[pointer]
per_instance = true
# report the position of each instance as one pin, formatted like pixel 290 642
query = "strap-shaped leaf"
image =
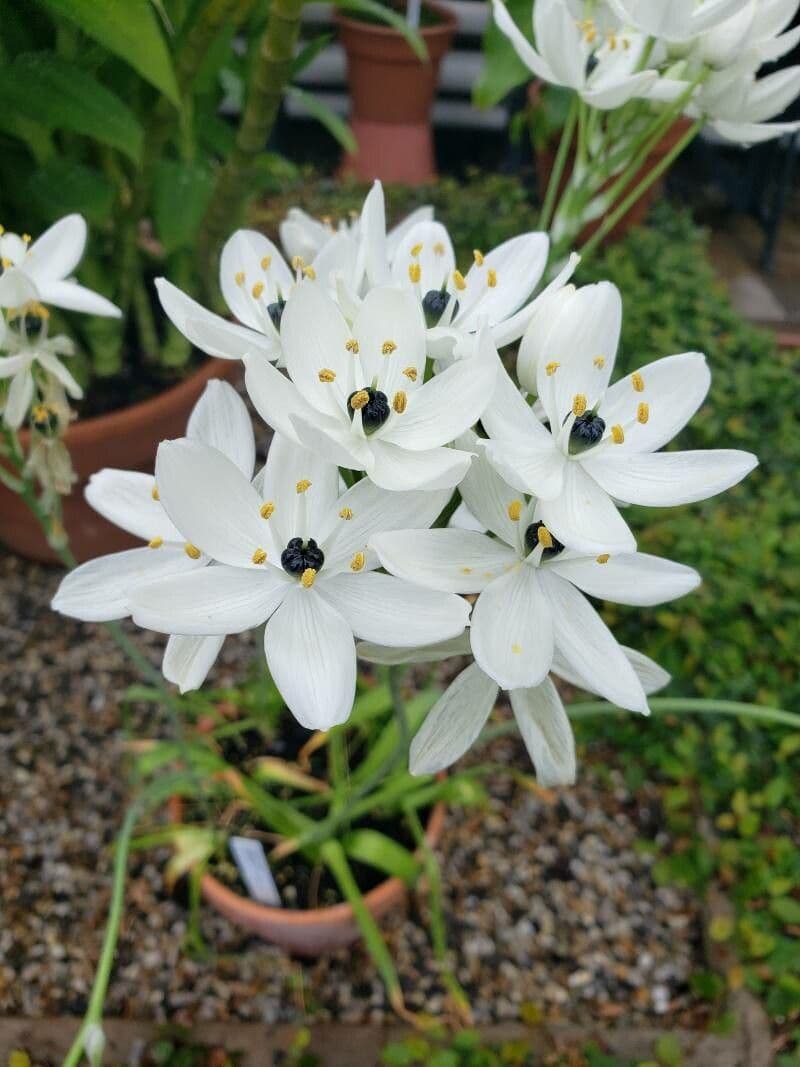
pixel 182 192
pixel 336 127
pixel 378 12
pixel 377 850
pixel 129 29
pixel 62 186
pixel 63 96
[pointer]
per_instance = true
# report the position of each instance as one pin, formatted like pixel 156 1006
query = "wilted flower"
pixel 28 347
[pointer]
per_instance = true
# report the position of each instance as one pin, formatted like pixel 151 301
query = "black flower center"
pixel 533 539
pixel 586 431
pixel 373 405
pixel 434 304
pixel 592 64
pixel 300 555
pixel 275 312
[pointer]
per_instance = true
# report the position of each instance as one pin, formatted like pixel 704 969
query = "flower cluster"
pixel 414 498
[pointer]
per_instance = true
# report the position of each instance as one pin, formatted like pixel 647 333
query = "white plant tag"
pixel 249 857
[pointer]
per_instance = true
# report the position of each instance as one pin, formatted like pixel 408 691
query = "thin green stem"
pixel 560 163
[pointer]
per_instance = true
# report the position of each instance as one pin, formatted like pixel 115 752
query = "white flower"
pixel 356 392
pixel 529 606
pixel 739 105
pixel 26 348
pixel 600 445
pixel 296 553
pixel 456 720
pixel 604 69
pixel 675 20
pixel 41 271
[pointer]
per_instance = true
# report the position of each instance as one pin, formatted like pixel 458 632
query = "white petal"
pixel 585 642
pixel 389 611
pixel 533 349
pixel 16 288
pixel 547 733
pixel 749 133
pixel 298 514
pixel 486 494
pixel 314 334
pixel 333 442
pixel 10 365
pixel 458 561
pixel 584 517
pixel 55 367
pixel 662 479
pixel 18 401
pixel 434 256
pixel 212 600
pixel 394 314
pixel 212 503
pixel 454 722
pixel 241 258
pixel 535 63
pixel 74 297
pixel 609 94
pixel 454 646
pixel 98 591
pixel 209 332
pixel 220 419
pixel 398 468
pixel 532 465
pixel 187 660
pixel 512 630
pixel 514 327
pixel 312 658
pixel 58 251
pixel 518 265
pixel 126 499
pixel 397 234
pixel 372 231
pixel 275 397
pixel 634 578
pixel 561 41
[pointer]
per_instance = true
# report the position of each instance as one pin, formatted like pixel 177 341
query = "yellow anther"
pixel 267 510
pixel 265 262
pixel 2 230
pixel 298 263
pixel 604 558
pixel 5 262
pixel 352 346
pixel 388 347
pixel 478 257
pixel 551 368
pixel 359 400
pixel 599 362
pixel 259 556
pixel 399 401
pixel 416 249
pixel 157 542
pixel 643 413
pixel 491 278
pixel 411 373
pixel 516 649
pixel 358 562
pixel 544 537
pixel 154 493
pixel 637 381
pixel 414 272
pixel 346 514
pixel 466 570
pixel 239 277
pixel 579 404
pixel 26 237
pixel 459 280
pixel 326 220
pixel 612 40
pixel 438 249
pixel 257 289
pixel 307 577
pixel 192 551
pixel 303 485
pixel 327 375
pixel 617 434
pixel 310 273
pixel 514 510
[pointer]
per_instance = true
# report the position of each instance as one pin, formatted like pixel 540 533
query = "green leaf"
pixel 130 30
pixel 378 850
pixel 378 12
pixel 62 96
pixel 502 70
pixel 335 126
pixel 308 53
pixel 787 909
pixel 62 186
pixel 181 195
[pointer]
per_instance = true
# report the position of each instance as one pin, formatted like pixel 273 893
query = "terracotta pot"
pixel 315 931
pixel 127 439
pixel 392 93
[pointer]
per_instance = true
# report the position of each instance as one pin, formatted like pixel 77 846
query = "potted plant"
pixel 392 75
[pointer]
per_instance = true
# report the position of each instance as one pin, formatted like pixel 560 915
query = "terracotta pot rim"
pixel 444 28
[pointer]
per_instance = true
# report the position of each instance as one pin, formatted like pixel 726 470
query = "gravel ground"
pixel 550 903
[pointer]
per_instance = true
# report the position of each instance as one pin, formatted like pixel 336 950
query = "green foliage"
pixel 469 1049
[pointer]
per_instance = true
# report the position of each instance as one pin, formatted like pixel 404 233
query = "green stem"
pixel 560 163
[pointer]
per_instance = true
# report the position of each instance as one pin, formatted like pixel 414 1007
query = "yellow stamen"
pixel 257 289
pixel 265 262
pixel 346 514
pixel 192 551
pixel 157 542
pixel 388 347
pixel 298 263
pixel 491 278
pixel 2 230
pixel 399 401
pixel 514 510
pixel 239 277
pixel 478 256
pixel 414 272
pixel 307 577
pixel 544 537
pixel 438 248
pixel 26 237
pixel 411 373
pixel 310 273
pixel 267 510
pixel 458 280
pixel 617 434
pixel 5 262
pixel 516 649
pixel 604 558
pixel 551 368
pixel 466 570
pixel 358 562
pixel 416 249
pixel 643 413
pixel 327 375
pixel 352 346
pixel 599 362
pixel 302 485
pixel 259 556
pixel 579 405
pixel 359 400
pixel 637 381
pixel 154 493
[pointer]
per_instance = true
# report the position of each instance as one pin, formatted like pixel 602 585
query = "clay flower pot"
pixel 127 439
pixel 315 931
pixel 392 93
